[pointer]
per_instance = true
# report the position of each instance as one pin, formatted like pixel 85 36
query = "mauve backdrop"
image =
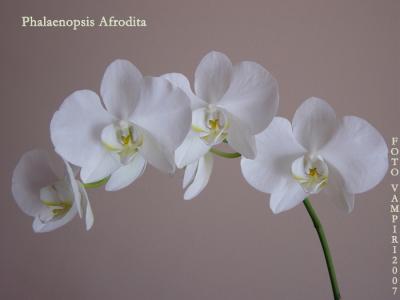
pixel 147 242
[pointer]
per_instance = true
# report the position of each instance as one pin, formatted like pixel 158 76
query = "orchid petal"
pixel 76 127
pixel 336 191
pixel 32 173
pixel 152 151
pixel 199 120
pixel 99 166
pixel 192 148
pixel 360 154
pixel 76 193
pixel 182 82
pixel 190 172
pixel 125 175
pixel 164 112
pixel 252 96
pixel 89 217
pixel 276 150
pixel 212 77
pixel 40 227
pixel 201 178
pixel 110 139
pixel 314 124
pixel 240 138
pixel 286 197
pixel 120 88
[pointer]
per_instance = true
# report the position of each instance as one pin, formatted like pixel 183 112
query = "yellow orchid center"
pixel 213 129
pixel 57 199
pixel 125 140
pixel 122 138
pixel 213 124
pixel 311 172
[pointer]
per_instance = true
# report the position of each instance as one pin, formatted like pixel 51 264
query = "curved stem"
pixel 325 248
pixel 225 154
pixel 96 184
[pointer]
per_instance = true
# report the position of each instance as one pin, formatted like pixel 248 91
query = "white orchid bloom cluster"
pixel 139 120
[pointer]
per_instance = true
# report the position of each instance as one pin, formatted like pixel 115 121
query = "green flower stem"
pixel 325 248
pixel 96 184
pixel 225 154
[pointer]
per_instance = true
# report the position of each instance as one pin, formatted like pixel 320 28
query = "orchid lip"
pixel 57 199
pixel 122 138
pixel 215 124
pixel 311 172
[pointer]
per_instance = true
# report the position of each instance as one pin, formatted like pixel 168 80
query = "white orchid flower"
pixel 316 153
pixel 231 103
pixel 145 120
pixel 53 197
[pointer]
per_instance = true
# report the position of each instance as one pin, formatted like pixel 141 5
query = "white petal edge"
pixel 76 192
pixel 76 127
pixel 183 83
pixel 190 172
pixel 89 217
pixel 276 150
pixel 314 123
pixel 201 178
pixel 192 148
pixel 99 166
pixel 40 227
pixel 33 172
pixel 252 96
pixel 286 197
pixel 109 138
pixel 120 88
pixel 157 156
pixel 336 191
pixel 163 111
pixel 360 154
pixel 199 119
pixel 212 77
pixel 241 139
pixel 125 175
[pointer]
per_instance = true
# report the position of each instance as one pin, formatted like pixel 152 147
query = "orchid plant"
pixel 161 121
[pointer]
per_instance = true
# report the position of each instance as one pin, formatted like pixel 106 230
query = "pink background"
pixel 147 242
